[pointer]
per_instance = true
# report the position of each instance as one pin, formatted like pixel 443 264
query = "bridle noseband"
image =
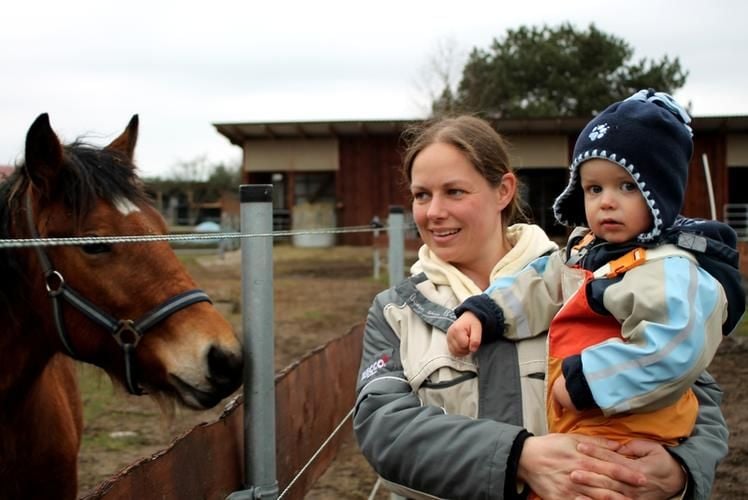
pixel 126 332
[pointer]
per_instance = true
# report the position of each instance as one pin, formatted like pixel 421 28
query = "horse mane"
pixel 93 173
pixel 88 173
pixel 11 274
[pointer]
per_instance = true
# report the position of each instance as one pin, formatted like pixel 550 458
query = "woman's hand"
pixel 665 476
pixel 548 464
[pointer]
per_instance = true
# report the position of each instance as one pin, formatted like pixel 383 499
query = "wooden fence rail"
pixel 312 396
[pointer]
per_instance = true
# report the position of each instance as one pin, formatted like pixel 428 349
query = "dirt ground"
pixel 319 295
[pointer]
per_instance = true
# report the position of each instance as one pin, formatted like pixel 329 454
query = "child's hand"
pixel 561 395
pixel 464 336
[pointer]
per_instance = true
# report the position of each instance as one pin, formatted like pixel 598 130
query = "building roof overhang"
pixel 240 132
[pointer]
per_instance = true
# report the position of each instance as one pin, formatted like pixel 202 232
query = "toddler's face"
pixel 616 210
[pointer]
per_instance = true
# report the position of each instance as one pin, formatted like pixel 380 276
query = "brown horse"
pixel 129 308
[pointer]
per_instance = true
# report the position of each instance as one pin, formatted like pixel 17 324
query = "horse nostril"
pixel 225 367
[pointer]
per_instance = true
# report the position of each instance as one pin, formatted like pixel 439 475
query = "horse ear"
pixel 43 154
pixel 125 143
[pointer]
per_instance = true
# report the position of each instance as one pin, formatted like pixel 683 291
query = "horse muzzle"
pixel 224 376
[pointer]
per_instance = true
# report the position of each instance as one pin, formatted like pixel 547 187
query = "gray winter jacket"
pixel 438 427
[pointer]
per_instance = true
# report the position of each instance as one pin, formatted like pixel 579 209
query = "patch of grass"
pixel 383 279
pixel 96 389
pixel 313 314
pixel 742 328
pixel 189 257
pixel 105 441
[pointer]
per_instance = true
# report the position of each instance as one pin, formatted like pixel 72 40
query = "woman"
pixel 433 425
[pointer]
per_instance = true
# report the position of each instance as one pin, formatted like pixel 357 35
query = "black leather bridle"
pixel 126 332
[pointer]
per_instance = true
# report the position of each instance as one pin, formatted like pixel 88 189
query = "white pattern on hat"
pixel 667 101
pixel 635 176
pixel 599 131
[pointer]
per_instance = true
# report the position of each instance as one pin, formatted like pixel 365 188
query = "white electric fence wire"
pixel 375 489
pixel 316 453
pixel 88 240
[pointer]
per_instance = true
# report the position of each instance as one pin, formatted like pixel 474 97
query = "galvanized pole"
pixel 396 252
pixel 396 260
pixel 257 325
pixel 376 223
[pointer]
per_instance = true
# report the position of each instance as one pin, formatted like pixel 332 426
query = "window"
pixel 314 187
pixel 540 188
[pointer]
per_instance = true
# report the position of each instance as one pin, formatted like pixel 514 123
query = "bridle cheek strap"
pixel 127 333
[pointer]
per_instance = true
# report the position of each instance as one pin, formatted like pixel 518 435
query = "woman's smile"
pixel 444 233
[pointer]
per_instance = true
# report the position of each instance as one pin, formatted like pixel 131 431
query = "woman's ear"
pixel 506 190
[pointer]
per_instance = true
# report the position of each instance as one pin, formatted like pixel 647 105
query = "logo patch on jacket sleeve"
pixel 374 368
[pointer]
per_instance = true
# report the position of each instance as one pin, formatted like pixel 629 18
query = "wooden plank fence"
pixel 313 395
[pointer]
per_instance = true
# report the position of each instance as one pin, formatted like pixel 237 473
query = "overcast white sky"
pixel 184 65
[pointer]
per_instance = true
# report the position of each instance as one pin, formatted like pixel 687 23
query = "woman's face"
pixel 458 213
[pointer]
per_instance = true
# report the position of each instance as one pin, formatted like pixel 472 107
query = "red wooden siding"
pixel 368 182
pixel 697 194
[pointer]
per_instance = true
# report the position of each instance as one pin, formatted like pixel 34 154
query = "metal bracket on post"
pixel 257 326
pixel 255 493
pixel 396 253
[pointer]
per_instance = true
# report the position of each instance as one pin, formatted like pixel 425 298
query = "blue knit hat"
pixel 648 135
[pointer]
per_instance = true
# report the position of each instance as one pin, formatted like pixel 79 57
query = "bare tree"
pixel 197 169
pixel 438 78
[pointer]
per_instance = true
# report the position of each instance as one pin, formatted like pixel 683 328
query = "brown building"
pixel 353 167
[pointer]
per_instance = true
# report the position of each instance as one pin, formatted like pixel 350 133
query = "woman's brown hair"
pixel 480 143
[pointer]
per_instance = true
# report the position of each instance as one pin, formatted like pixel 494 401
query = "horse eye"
pixel 96 248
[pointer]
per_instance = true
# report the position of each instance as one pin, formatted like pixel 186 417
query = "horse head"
pixel 129 308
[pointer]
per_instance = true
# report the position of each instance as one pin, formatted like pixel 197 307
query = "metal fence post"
pixel 260 477
pixel 396 259
pixel 376 224
pixel 396 252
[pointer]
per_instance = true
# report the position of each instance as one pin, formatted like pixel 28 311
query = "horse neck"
pixel 27 341
pixel 24 363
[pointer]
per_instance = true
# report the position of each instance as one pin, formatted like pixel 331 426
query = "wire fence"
pixel 315 454
pixel 89 240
